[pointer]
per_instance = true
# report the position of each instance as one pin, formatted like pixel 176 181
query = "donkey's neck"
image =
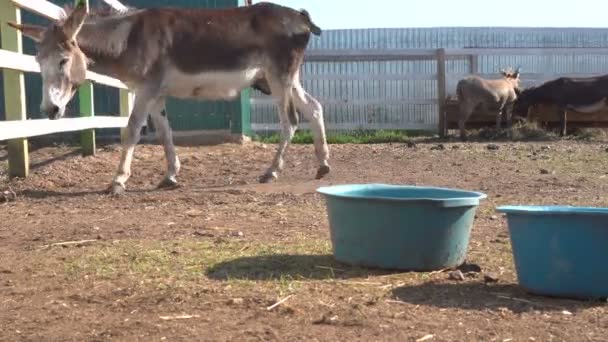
pixel 104 40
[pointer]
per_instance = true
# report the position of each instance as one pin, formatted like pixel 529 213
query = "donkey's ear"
pixel 74 22
pixel 34 32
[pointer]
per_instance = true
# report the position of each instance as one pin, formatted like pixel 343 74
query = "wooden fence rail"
pixel 14 63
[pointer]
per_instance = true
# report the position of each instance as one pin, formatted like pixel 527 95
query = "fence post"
pixel 87 109
pixel 474 63
pixel 441 92
pixel 14 90
pixel 241 119
pixel 126 106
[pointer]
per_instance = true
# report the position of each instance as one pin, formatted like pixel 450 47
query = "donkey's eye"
pixel 63 62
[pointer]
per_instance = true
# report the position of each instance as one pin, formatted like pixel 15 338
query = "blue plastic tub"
pixel 400 227
pixel 560 251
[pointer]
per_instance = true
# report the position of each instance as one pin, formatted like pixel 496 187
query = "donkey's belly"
pixel 211 85
pixel 590 108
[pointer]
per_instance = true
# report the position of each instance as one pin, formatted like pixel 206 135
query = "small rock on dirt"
pixel 455 147
pixel 203 233
pixel 411 144
pixel 194 213
pixel 471 274
pixel 490 278
pixel 237 234
pixel 8 195
pixel 546 172
pixel 456 275
pixel 493 217
pixel 493 147
pixel 439 147
pixel 237 301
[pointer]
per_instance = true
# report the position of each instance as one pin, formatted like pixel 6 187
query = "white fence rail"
pixel 17 128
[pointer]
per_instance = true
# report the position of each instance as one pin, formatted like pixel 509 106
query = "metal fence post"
pixel 441 92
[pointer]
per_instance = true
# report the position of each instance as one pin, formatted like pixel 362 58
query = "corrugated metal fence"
pixel 402 94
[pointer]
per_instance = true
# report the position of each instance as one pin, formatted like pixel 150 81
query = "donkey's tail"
pixel 316 30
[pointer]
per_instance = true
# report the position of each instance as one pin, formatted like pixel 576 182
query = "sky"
pixel 343 14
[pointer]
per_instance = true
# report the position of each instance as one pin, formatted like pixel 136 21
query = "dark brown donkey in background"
pixel 186 53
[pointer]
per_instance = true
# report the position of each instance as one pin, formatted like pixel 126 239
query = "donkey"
pixel 186 53
pixel 580 94
pixel 496 95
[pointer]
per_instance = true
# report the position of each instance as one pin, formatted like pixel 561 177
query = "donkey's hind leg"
pixel 165 137
pixel 465 109
pixel 282 91
pixel 313 111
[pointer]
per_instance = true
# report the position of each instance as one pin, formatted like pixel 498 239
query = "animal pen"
pixel 17 128
pixel 414 89
pixel 365 79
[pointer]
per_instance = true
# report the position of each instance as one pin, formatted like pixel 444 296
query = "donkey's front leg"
pixel 136 121
pixel 165 137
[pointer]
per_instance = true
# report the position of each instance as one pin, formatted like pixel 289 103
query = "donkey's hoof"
pixel 268 177
pixel 322 171
pixel 168 183
pixel 116 189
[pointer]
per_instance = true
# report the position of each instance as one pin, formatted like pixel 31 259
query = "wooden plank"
pixel 414 76
pixel 524 76
pixel 31 128
pixel 117 5
pixel 262 127
pixel 87 108
pixel 14 91
pixel 16 61
pixel 127 100
pixel 240 122
pixel 441 91
pixel 266 100
pixel 41 7
pixel 474 64
pixel 526 51
pixel 351 55
pixel 106 80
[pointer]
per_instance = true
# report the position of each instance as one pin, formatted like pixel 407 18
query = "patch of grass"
pixel 590 134
pixel 189 260
pixel 355 137
pixel 520 131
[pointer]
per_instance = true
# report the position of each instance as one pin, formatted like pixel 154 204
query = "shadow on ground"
pixel 285 266
pixel 481 297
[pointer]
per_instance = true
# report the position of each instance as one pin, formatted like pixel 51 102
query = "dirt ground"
pixel 206 261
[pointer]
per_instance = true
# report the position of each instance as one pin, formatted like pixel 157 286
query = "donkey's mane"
pixel 100 12
pixel 112 25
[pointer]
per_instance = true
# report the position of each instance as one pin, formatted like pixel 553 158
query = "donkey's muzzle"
pixel 53 112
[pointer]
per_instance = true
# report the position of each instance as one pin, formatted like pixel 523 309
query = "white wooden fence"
pixel 16 129
pixel 407 88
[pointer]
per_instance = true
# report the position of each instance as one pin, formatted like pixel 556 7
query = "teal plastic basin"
pixel 560 251
pixel 400 227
